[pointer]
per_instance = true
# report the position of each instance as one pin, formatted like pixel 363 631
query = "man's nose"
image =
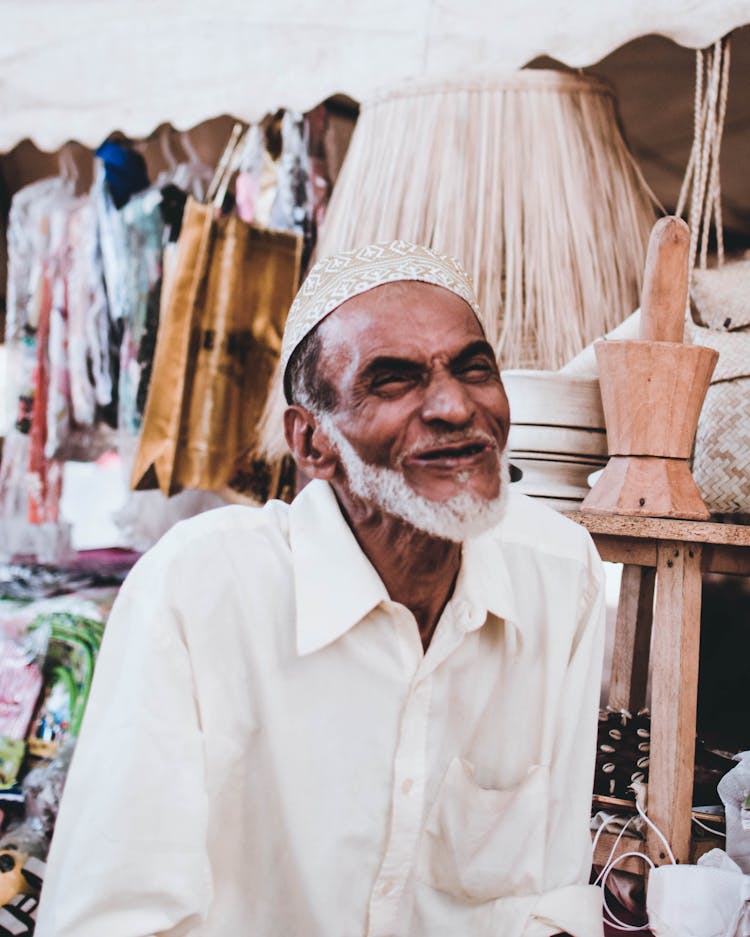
pixel 446 400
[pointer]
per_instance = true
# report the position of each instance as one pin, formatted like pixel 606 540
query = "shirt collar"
pixel 484 582
pixel 335 584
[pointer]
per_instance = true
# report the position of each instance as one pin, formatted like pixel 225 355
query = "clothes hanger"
pixel 67 166
pixel 166 148
pixel 187 145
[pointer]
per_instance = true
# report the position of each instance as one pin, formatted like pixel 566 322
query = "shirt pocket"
pixel 480 844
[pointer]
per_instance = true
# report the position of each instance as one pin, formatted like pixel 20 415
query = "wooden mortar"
pixel 652 393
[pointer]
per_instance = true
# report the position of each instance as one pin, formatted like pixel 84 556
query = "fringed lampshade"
pixel 525 178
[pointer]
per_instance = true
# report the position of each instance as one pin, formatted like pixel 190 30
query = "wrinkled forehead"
pixel 405 320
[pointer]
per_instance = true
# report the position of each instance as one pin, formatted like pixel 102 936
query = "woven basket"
pixel 721 296
pixel 721 460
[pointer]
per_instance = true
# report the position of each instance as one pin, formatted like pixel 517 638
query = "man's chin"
pixel 440 491
pixel 459 519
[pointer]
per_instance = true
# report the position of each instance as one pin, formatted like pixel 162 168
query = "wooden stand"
pixel 666 557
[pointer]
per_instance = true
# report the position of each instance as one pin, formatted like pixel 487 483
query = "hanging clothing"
pixel 144 235
pixel 30 478
pixel 112 239
pixel 85 284
pixel 292 207
pixel 125 171
pixel 253 159
pixel 88 320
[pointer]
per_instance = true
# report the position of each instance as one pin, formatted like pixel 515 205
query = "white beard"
pixel 457 519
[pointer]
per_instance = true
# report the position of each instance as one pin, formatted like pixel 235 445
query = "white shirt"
pixel 268 751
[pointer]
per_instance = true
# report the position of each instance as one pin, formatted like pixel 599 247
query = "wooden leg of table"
pixel 627 688
pixel 674 690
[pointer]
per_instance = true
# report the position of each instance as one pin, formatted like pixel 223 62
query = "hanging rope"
pixel 702 177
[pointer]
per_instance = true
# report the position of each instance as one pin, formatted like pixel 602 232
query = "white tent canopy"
pixel 80 69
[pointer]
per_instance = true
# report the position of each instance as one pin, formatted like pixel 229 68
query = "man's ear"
pixel 308 443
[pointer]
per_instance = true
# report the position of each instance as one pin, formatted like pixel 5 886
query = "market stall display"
pixel 79 382
pixel 51 626
pixel 106 286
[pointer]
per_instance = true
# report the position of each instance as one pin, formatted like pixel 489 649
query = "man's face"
pixel 418 388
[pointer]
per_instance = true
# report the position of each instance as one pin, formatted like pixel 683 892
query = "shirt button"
pixel 387 887
pixel 407 785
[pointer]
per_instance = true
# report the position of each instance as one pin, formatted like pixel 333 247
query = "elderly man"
pixel 372 712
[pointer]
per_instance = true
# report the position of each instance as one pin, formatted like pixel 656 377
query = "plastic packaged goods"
pixel 734 788
pixel 48 649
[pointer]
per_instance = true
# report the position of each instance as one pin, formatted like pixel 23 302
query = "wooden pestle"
pixel 665 281
pixel 652 392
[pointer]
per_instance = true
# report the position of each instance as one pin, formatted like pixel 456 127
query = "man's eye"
pixel 392 383
pixel 476 371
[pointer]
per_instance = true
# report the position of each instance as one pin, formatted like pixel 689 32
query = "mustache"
pixel 456 438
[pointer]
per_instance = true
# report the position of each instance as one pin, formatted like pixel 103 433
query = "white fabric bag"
pixel 704 900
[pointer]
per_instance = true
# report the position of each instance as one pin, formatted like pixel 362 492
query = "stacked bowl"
pixel 557 435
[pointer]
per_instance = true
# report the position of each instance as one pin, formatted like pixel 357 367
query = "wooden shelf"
pixel 658 622
pixel 631 843
pixel 660 528
pixel 627 539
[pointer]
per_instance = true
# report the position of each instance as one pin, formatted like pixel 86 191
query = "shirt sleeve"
pixel 128 856
pixel 570 904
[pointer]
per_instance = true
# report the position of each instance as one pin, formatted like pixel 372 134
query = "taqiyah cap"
pixel 342 276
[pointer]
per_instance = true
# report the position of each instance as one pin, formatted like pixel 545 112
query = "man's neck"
pixel 417 569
